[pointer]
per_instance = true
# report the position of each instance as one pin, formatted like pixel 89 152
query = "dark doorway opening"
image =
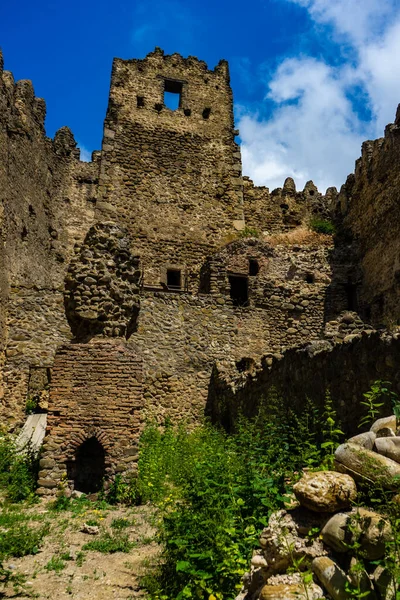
pixel 174 281
pixel 239 290
pixel 89 468
pixel 351 296
pixel 254 267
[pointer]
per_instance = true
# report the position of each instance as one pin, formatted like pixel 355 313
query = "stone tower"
pixel 171 176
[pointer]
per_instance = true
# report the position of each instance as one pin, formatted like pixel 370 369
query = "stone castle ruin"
pixel 156 279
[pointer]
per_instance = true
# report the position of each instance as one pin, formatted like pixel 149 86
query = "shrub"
pixel 322 226
pixel 18 471
pixel 20 540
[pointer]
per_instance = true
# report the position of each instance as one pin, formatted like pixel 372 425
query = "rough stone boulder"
pixel 366 440
pixel 386 423
pixel 331 576
pixel 363 464
pixel 389 446
pixel 367 528
pixel 286 591
pixel 281 543
pixel 325 491
pixel 384 583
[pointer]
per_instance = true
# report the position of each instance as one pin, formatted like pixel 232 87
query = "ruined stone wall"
pixel 181 335
pixel 285 208
pixel 346 366
pixel 47 202
pixel 170 176
pixel 96 392
pixel 369 209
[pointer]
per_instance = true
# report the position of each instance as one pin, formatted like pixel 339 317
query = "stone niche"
pixel 94 417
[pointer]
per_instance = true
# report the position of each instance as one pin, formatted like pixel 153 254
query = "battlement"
pixel 27 111
pixel 172 92
pixel 157 56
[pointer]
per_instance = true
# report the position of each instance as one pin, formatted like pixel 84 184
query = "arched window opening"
pixel 88 470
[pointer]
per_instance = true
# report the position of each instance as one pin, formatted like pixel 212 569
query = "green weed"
pixel 322 226
pixel 55 564
pixel 20 541
pixel 120 523
pixel 108 544
pixel 215 502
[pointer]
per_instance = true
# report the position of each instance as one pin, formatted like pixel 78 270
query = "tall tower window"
pixel 172 94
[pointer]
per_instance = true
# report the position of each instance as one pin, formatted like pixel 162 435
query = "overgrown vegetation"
pixel 216 492
pixel 322 226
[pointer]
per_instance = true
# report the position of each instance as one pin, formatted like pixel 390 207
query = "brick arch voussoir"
pixel 82 436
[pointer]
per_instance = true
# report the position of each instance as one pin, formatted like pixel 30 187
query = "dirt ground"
pixel 63 568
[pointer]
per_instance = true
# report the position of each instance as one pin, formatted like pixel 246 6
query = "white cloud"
pixel 86 155
pixel 359 20
pixel 315 130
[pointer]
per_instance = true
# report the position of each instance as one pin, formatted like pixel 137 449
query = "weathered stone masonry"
pixel 125 280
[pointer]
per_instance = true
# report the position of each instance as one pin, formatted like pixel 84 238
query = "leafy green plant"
pixel 120 523
pixel 18 470
pixel 374 399
pixel 31 404
pixel 330 430
pixel 214 504
pixel 20 540
pixel 322 226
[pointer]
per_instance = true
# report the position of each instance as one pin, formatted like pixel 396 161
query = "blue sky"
pixel 311 78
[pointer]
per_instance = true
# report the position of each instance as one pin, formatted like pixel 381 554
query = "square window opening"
pixel 174 279
pixel 172 94
pixel 140 101
pixel 239 290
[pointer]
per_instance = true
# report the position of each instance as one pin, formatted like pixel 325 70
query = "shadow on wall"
pixel 347 370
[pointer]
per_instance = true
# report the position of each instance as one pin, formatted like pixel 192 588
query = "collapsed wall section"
pixel 284 209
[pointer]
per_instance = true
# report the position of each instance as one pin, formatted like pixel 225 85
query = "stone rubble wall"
pixel 181 335
pixel 46 202
pixel 346 365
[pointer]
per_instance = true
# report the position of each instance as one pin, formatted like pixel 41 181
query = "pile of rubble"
pixel 323 545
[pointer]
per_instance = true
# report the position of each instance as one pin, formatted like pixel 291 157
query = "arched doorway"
pixel 89 467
